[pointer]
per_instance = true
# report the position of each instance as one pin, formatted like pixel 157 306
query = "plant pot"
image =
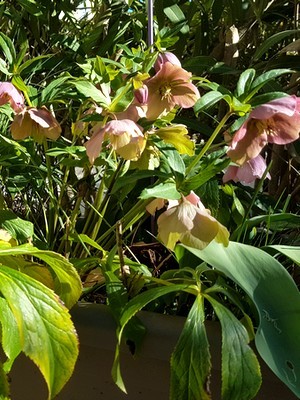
pixel 146 376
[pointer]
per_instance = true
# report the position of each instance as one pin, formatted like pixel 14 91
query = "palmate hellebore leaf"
pixel 277 300
pixel 190 361
pixel 43 329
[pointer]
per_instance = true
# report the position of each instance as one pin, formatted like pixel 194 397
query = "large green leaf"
pixel 190 361
pixel 46 332
pixel 129 311
pixel 277 300
pixel 241 376
pixel 270 41
pixel 67 281
pixel 292 252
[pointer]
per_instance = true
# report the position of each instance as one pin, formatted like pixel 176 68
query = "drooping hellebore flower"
pixel 277 121
pixel 189 222
pixel 248 172
pixel 9 94
pixel 169 87
pixel 166 57
pixel 38 123
pixel 125 136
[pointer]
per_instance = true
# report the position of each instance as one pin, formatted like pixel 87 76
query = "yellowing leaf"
pixel 177 135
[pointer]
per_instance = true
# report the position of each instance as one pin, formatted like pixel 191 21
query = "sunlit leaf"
pixel 191 361
pixel 241 376
pixel 46 332
pixel 276 297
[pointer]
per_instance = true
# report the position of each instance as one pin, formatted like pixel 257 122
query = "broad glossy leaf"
pixel 241 378
pixel 207 101
pixel 292 252
pixel 276 297
pixel 265 78
pixel 67 282
pixel 191 361
pixel 276 221
pixel 245 81
pixel 19 229
pixel 46 332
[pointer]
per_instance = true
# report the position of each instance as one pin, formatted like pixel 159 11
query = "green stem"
pixel 207 145
pixel 52 203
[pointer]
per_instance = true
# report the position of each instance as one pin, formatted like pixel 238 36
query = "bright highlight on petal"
pixel 125 137
pixel 191 224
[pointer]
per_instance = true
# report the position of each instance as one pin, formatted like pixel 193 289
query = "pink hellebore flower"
pixel 277 121
pixel 248 172
pixel 36 122
pixel 166 57
pixel 169 87
pixel 125 136
pixel 9 94
pixel 189 222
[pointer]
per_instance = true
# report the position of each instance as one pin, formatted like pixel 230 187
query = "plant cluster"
pixel 130 148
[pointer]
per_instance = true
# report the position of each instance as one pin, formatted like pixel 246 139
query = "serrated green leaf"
pixel 276 297
pixel 10 340
pixel 191 361
pixel 89 90
pixel 161 191
pixel 241 378
pixel 47 334
pixel 19 229
pixel 67 282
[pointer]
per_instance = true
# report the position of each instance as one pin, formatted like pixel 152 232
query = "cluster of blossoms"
pixel 277 121
pixel 186 220
pixel 158 95
pixel 28 121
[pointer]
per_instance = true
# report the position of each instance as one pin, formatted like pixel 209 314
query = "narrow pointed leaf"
pixel 190 361
pixel 241 378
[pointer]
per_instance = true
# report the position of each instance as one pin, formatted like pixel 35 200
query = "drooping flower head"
pixel 169 87
pixel 125 136
pixel 277 121
pixel 189 222
pixel 166 57
pixel 9 94
pixel 38 123
pixel 248 172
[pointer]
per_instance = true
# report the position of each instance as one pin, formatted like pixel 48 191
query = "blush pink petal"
pixel 248 172
pixel 166 57
pixel 36 122
pixel 277 121
pixel 9 94
pixel 94 145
